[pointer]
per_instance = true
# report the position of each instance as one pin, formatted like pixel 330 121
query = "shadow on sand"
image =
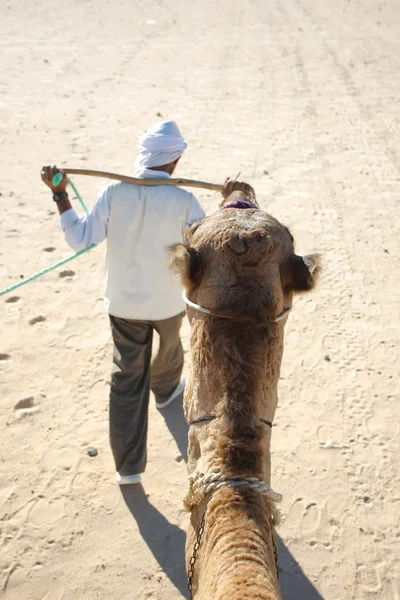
pixel 176 423
pixel 165 540
pixel 167 543
pixel 294 583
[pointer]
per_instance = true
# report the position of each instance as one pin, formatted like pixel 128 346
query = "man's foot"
pixel 175 394
pixel 127 479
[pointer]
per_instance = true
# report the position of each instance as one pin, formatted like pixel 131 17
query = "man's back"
pixel 144 221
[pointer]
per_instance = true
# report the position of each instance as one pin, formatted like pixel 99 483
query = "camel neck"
pixel 238 539
pixel 235 372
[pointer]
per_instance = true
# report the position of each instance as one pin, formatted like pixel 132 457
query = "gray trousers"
pixel 133 376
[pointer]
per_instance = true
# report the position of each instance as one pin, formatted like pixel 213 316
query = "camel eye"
pixel 195 265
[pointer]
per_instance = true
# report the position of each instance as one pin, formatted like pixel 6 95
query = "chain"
pixel 275 552
pixel 194 555
pixel 197 546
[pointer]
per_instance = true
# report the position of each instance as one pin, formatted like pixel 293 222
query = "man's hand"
pixel 232 186
pixel 48 173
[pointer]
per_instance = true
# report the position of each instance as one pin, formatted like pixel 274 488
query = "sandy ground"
pixel 300 96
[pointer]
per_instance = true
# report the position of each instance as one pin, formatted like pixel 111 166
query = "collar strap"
pixel 208 311
pixel 212 417
pixel 239 204
pixel 201 419
pixel 194 305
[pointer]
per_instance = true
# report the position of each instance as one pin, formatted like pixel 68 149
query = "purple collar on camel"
pixel 239 204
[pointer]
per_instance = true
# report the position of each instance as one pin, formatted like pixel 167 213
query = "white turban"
pixel 160 145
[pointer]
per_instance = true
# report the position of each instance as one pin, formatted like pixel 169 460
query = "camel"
pixel 239 272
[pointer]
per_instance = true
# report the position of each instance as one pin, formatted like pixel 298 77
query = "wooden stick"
pixel 159 181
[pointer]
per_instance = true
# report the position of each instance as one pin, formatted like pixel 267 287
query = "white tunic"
pixel 140 222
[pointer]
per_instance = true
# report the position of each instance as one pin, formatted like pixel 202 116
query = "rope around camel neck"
pixel 208 311
pixel 200 485
pixel 14 286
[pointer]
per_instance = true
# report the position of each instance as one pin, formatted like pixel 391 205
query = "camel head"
pixel 240 263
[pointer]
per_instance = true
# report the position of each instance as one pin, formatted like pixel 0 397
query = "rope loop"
pixel 200 485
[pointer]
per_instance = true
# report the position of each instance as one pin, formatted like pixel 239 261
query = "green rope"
pixel 57 264
pixel 43 271
pixel 77 194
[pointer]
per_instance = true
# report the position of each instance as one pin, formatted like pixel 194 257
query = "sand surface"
pixel 302 97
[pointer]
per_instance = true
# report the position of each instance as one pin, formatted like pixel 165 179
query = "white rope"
pixel 196 306
pixel 200 485
pixel 283 314
pixel 208 311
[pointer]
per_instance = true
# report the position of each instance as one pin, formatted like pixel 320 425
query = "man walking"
pixel 140 222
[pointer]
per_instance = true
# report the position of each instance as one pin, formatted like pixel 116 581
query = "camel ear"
pixel 302 272
pixel 186 264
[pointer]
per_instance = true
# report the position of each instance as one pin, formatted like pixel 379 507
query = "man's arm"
pixel 232 185
pixel 80 232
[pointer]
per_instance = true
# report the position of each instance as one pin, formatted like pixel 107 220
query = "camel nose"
pixel 255 241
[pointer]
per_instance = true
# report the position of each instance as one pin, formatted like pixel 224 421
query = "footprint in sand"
pixel 44 513
pixel 370 578
pixel 67 273
pixel 305 516
pixel 337 502
pixel 295 512
pixel 38 319
pixel 311 518
pixel 27 404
